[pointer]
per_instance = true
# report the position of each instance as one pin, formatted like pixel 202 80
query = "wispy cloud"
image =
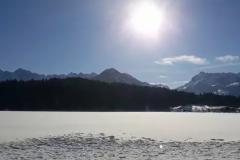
pixel 162 76
pixel 176 84
pixel 183 58
pixel 218 66
pixel 223 61
pixel 180 82
pixel 227 59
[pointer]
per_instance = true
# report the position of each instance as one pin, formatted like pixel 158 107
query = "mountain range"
pixel 217 83
pixel 110 75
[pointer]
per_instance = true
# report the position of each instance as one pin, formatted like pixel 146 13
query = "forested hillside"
pixel 76 94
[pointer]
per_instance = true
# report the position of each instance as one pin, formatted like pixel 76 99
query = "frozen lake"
pixel 157 125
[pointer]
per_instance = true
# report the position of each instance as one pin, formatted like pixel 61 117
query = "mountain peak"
pixel 20 70
pixel 110 71
pixel 202 73
pixel 111 75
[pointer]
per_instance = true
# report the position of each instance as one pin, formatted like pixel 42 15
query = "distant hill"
pixel 217 83
pixel 110 75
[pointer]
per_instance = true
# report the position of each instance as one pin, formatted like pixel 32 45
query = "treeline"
pixel 76 94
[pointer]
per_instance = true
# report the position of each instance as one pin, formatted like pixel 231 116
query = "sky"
pixel 62 36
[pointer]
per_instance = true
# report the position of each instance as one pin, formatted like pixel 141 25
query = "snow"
pixel 220 92
pixel 102 147
pixel 233 84
pixel 196 82
pixel 184 88
pixel 202 108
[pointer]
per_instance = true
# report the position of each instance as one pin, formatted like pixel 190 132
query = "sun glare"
pixel 146 19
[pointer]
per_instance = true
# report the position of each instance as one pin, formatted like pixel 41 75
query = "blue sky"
pixel 62 36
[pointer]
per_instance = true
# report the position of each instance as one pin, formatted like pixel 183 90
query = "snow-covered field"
pixel 103 147
pixel 56 135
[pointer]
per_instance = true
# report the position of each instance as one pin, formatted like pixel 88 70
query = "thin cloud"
pixel 223 61
pixel 180 82
pixel 162 76
pixel 177 84
pixel 183 58
pixel 218 66
pixel 227 59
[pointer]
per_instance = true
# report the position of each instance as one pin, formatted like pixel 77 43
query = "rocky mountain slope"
pixel 217 83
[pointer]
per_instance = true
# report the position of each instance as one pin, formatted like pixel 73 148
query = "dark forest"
pixel 76 94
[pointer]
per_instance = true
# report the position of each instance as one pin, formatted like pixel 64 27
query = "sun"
pixel 146 19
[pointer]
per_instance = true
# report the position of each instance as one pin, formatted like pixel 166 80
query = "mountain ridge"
pixel 217 83
pixel 110 75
